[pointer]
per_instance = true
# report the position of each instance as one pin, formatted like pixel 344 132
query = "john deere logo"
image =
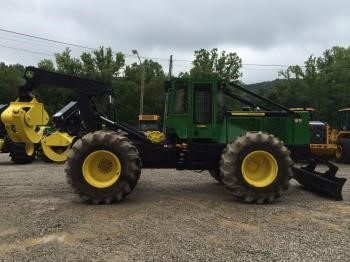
pixel 29 74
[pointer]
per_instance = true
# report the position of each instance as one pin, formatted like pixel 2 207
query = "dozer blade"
pixel 325 183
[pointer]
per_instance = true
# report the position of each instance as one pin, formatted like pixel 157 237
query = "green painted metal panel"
pixel 183 119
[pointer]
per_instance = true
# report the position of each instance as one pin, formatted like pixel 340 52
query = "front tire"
pixel 103 167
pixel 256 168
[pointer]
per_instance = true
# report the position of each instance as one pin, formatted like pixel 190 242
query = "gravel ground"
pixel 170 216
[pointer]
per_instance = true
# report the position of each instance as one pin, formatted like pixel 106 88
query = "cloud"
pixel 260 31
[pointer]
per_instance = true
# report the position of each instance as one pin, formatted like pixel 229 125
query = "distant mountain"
pixel 264 85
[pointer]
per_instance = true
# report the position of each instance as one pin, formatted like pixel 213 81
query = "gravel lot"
pixel 171 215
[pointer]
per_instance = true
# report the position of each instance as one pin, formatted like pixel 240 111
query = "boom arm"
pixel 86 89
pixel 35 77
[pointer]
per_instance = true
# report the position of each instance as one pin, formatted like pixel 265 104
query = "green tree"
pixel 105 65
pixel 154 80
pixel 125 100
pixel 47 64
pixel 10 80
pixel 67 64
pixel 213 64
pixel 101 64
pixel 323 83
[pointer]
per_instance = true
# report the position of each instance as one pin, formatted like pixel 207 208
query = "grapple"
pixel 56 146
pixel 24 122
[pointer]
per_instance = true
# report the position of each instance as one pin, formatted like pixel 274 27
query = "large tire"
pixel 342 154
pixel 256 167
pixel 19 155
pixel 103 167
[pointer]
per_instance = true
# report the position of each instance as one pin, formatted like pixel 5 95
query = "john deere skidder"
pixel 251 151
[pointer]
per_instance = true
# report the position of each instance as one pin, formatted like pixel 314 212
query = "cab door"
pixel 203 111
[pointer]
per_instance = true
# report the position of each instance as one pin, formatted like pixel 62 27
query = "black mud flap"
pixel 326 183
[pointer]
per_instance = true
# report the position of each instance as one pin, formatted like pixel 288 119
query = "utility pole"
pixel 170 67
pixel 142 72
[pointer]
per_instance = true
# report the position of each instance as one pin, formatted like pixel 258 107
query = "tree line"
pixel 322 82
pixel 105 65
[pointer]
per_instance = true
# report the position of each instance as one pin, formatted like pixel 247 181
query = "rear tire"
pixel 103 167
pixel 342 155
pixel 256 168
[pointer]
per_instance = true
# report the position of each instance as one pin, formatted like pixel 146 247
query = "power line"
pixel 46 39
pixel 61 42
pixel 261 69
pixel 93 49
pixel 273 65
pixel 26 50
pixel 243 64
pixel 31 42
pixel 174 65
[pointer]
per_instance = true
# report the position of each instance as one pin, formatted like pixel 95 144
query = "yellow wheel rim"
pixel 259 168
pixel 101 169
pixel 339 151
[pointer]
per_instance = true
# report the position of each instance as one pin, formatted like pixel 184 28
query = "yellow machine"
pixel 56 145
pixel 150 125
pixel 341 137
pixel 323 143
pixel 24 123
pixel 149 122
pixel 66 122
pixel 332 142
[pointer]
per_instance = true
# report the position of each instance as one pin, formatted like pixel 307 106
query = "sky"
pixel 268 35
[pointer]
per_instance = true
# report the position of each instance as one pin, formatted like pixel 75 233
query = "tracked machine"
pixel 250 151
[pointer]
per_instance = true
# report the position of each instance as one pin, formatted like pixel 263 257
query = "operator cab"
pixel 344 117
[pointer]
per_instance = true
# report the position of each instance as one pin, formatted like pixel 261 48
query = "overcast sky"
pixel 265 32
